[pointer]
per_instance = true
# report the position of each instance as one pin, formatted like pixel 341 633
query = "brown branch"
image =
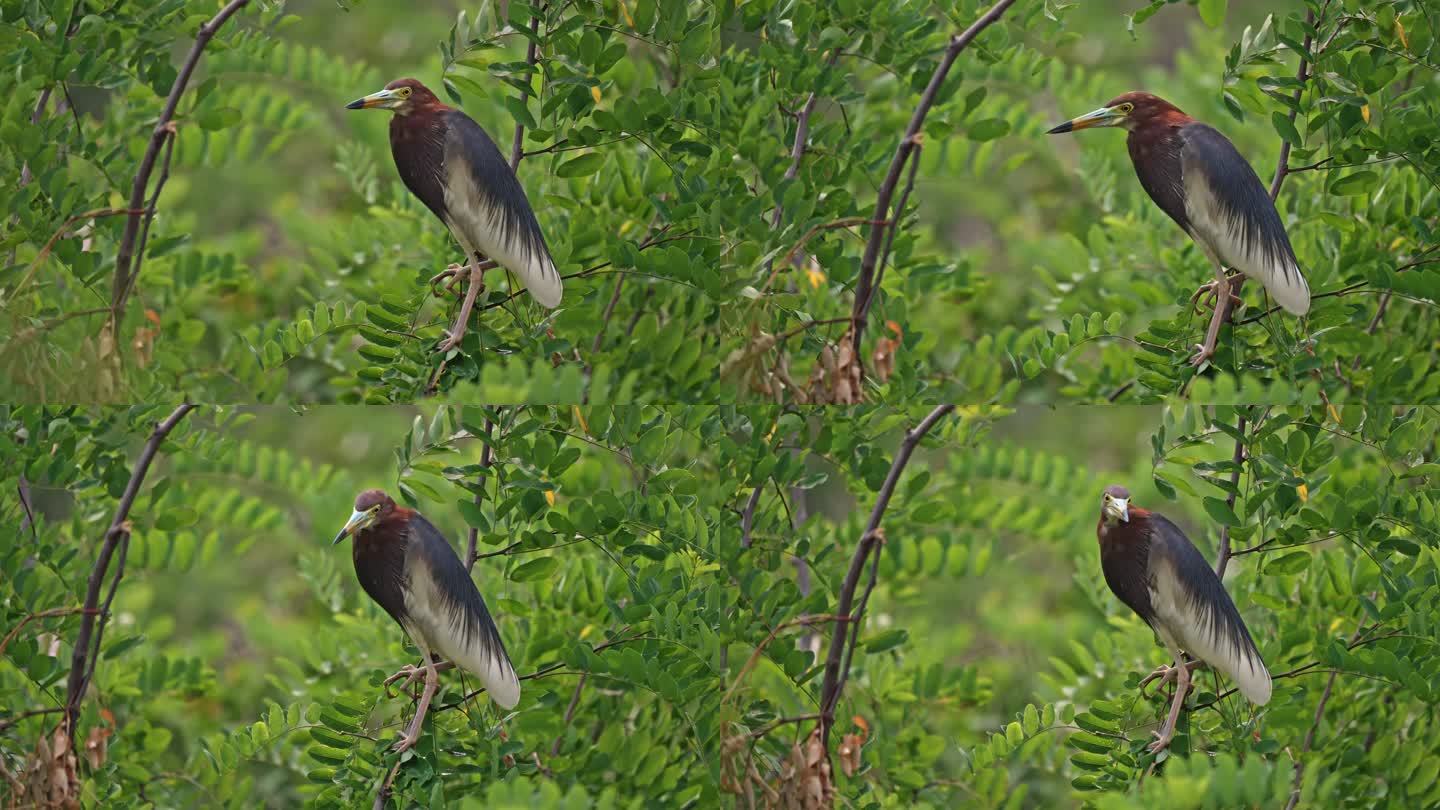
pixel 844 222
pixel 474 533
pixel 864 290
pixel 82 662
pixel 44 614
pixel 1309 741
pixel 516 147
pixel 747 517
pixel 1282 169
pixel 151 207
pixel 899 213
pixel 781 721
pixel 126 254
pixel 803 621
pixel 1238 458
pixel 569 714
pixel 802 135
pixel 15 718
pixel 22 491
pixel 834 678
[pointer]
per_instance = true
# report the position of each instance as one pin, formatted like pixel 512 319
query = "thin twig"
pixel 126 253
pixel 1238 459
pixel 830 687
pixel 516 147
pixel 474 533
pixel 864 289
pixel 82 662
pixel 44 614
pixel 747 518
pixel 15 718
pixel 899 214
pixel 22 490
pixel 569 714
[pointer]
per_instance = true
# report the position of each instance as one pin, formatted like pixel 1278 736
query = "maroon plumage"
pixel 1158 573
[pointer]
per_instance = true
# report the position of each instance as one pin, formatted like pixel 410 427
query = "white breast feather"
pixel 1212 223
pixel 479 222
pixel 447 637
pixel 1184 627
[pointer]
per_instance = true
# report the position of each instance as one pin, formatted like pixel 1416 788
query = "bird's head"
pixel 371 507
pixel 403 96
pixel 1129 111
pixel 1115 505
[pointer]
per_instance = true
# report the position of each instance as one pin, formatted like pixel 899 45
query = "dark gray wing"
pixel 455 618
pixel 1230 210
pixel 487 208
pixel 1192 603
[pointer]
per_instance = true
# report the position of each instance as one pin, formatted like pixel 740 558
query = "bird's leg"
pixel 477 283
pixel 1165 674
pixel 1167 731
pixel 1222 312
pixel 432 682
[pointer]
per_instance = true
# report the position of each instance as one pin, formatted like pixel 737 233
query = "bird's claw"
pixel 453 272
pixel 406 743
pixel 1202 355
pixel 410 673
pixel 1208 296
pixel 1162 741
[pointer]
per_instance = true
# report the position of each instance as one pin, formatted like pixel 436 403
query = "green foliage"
pixel 610 544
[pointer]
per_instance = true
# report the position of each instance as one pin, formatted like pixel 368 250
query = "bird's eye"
pixel 1107 496
pixel 1127 107
pixel 405 92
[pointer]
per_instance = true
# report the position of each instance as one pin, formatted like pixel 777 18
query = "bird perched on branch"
pixel 1156 571
pixel 410 570
pixel 1199 179
pixel 448 161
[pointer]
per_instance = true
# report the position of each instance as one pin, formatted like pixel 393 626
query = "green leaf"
pixel 535 569
pixel 582 166
pixel 1286 128
pixel 1212 12
pixel 887 640
pixel 988 129
pixel 1355 185
pixel 1220 512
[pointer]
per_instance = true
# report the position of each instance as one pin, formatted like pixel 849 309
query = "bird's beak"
pixel 358 520
pixel 385 100
pixel 1103 117
pixel 1121 508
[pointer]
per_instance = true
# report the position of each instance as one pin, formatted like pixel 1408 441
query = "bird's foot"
pixel 1165 674
pixel 1202 355
pixel 454 274
pixel 407 742
pixel 410 673
pixel 1209 295
pixel 1162 740
pixel 450 342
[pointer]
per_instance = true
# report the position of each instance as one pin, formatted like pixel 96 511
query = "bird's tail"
pixel 1250 675
pixel 1290 290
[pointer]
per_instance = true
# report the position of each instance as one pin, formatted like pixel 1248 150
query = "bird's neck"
pixel 1122 533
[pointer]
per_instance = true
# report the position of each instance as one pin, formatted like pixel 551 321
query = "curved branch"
pixel 839 647
pixel 164 130
pixel 82 662
pixel 864 286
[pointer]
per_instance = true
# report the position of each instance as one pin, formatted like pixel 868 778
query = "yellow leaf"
pixel 580 417
pixel 1334 414
pixel 1365 113
pixel 630 21
pixel 550 496
pixel 815 276
pixel 595 94
pixel 1304 493
pixel 1400 32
